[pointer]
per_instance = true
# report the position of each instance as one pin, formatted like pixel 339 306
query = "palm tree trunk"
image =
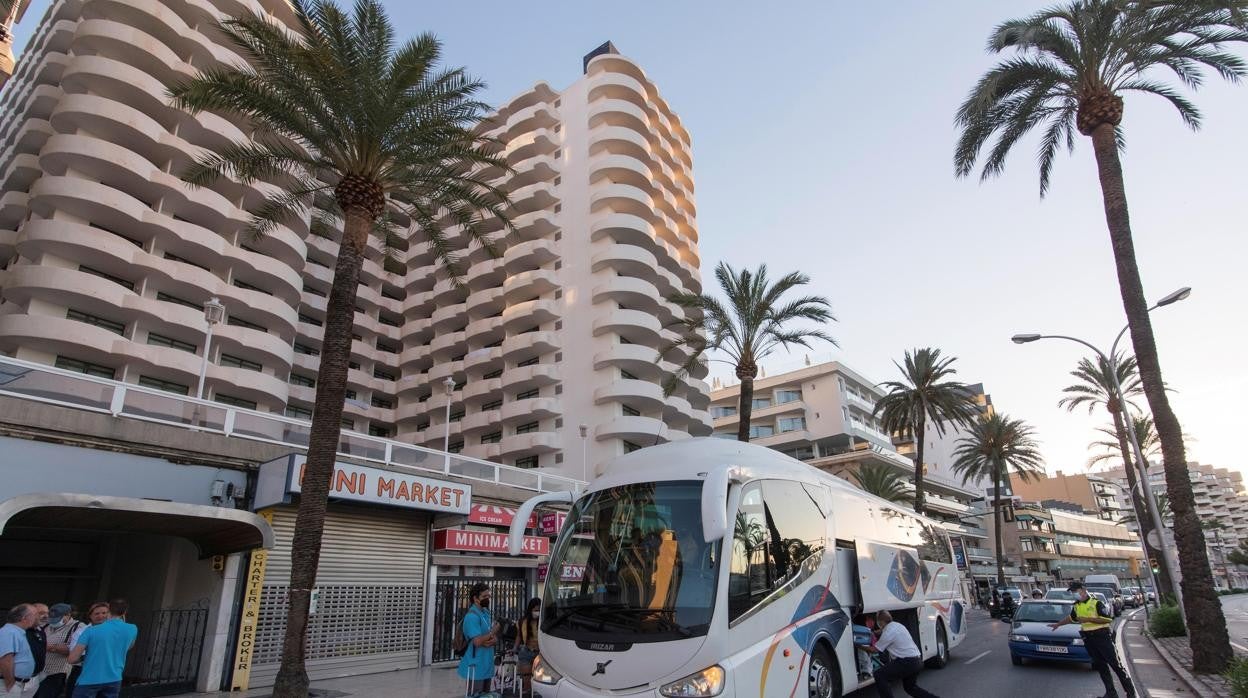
pixel 920 436
pixel 331 387
pixel 1211 645
pixel 1143 521
pixel 999 522
pixel 745 408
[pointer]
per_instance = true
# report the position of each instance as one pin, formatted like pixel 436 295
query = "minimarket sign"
pixel 283 477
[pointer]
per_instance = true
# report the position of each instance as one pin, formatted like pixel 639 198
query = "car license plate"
pixel 1052 648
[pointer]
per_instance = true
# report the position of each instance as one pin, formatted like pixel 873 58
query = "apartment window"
pixel 492 438
pixel 529 362
pixel 528 394
pixel 491 405
pixel 630 412
pixel 114 327
pixel 160 340
pixel 629 447
pixel 422 426
pixel 792 424
pixel 239 362
pixel 384 375
pixel 527 428
pixel 298 412
pixel 314 291
pixel 387 347
pixel 384 403
pixel 300 379
pixel 350 395
pixel 131 240
pixel 457 415
pixel 724 435
pixel 235 401
pixel 317 262
pixel 526 462
pixel 627 376
pixel 783 396
pixel 720 412
pixel 175 258
pixel 1026 544
pixel 385 320
pixel 492 374
pixel 310 320
pixel 357 337
pixel 306 350
pixel 455 447
pixel 348 424
pixel 460 357
pixel 239 322
pixel 423 398
pixel 167 386
pixel 374 430
pixel 761 430
pixel 250 287
pixel 386 292
pixel 68 364
pixel 162 296
pixel 129 285
pixel 761 402
pixel 354 365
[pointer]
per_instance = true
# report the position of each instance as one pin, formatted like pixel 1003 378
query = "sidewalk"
pixel 1157 664
pixel 426 682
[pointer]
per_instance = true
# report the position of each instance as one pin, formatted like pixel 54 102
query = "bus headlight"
pixel 704 684
pixel 543 673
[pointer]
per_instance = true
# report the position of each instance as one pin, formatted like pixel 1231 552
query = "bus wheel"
pixel 825 680
pixel 942 649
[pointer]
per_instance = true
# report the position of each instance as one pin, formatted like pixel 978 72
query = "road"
pixel 1235 608
pixel 981 666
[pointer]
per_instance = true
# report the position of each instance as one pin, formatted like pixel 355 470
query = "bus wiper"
pixel 661 615
pixel 586 610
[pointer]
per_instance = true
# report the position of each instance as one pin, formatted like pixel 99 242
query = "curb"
pixel 1195 685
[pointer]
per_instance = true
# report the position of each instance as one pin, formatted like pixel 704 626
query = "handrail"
pixel 27 380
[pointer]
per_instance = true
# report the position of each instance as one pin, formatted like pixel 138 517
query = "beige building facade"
pixel 1095 494
pixel 548 353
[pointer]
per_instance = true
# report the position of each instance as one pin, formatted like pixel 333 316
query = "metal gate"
pixel 507 599
pixel 167 659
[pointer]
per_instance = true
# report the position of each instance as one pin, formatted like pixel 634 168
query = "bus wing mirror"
pixel 715 503
pixel 515 537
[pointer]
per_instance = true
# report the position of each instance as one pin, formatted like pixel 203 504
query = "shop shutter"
pixel 370 594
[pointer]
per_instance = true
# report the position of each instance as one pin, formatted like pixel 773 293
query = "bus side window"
pixel 777 527
pixel 935 546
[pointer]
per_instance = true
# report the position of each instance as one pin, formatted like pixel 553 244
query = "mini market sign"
pixel 359 483
pixel 485 542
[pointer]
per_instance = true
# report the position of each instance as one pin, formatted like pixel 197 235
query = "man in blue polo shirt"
pixel 106 646
pixel 17 662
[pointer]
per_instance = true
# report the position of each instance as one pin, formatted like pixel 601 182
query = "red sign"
pixel 485 542
pixel 492 515
pixel 541 571
pixel 552 523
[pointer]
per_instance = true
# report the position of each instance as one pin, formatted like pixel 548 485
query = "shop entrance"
pixel 507 600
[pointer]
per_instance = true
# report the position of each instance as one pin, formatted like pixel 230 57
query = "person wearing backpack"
pixel 480 635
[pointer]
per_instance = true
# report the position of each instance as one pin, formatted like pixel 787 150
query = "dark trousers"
pixel 72 681
pixel 1100 644
pixel 905 669
pixel 52 686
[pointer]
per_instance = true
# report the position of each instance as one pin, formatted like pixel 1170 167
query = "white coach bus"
pixel 708 567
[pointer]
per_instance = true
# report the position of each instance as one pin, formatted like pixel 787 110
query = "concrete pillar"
pixel 218 651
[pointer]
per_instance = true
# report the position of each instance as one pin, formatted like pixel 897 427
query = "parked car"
pixel 1109 606
pixel 1132 597
pixel 994 610
pixel 1032 638
pixel 1112 597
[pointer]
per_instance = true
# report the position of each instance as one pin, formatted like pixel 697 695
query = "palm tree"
pixel 997 447
pixel 1163 510
pixel 353 130
pixel 753 324
pixel 883 482
pixel 922 396
pixel 1095 388
pixel 1070 67
pixel 1145 433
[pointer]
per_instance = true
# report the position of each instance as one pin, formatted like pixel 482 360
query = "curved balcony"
pixel 486 302
pixel 482 361
pixel 448 317
pixel 534 225
pixel 522 378
pixel 482 390
pixel 412 410
pixel 529 255
pixel 630 260
pixel 481 420
pixel 634 325
pixel 443 370
pixel 628 291
pixel 484 331
pixel 530 284
pixel 639 430
pixel 529 314
pixel 530 409
pixel 532 443
pixel 444 346
pixel 639 394
pixel 638 359
pixel 525 346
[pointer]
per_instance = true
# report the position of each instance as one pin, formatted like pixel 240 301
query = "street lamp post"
pixel 214 313
pixel 449 384
pixel 584 450
pixel 1150 501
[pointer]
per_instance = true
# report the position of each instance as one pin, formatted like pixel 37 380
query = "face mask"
pixel 485 603
pixel 537 614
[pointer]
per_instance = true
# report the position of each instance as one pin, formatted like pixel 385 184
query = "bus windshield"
pixel 631 565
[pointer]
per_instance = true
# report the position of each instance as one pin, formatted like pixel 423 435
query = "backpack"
pixel 459 642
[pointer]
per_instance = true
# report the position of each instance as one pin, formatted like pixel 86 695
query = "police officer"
pixel 1094 623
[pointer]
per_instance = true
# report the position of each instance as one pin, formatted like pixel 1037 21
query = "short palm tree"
pixel 358 132
pixel 1095 388
pixel 1070 66
pixel 923 396
pixel 883 482
pixel 996 448
pixel 756 321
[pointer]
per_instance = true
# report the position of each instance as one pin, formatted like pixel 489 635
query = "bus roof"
pixel 691 459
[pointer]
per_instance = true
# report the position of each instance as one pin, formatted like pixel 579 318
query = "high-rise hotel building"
pixel 550 349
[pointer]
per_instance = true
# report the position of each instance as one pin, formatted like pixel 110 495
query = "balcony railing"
pixel 53 386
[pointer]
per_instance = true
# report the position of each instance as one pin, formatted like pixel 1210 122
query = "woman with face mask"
pixel 526 644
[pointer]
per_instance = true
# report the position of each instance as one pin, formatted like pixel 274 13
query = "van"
pixel 1103 580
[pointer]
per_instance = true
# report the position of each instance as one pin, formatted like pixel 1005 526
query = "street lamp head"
pixel 214 311
pixel 1175 297
pixel 1024 338
pixel 449 383
pixel 584 430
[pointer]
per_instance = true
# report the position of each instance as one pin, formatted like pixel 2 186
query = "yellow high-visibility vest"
pixel 1084 609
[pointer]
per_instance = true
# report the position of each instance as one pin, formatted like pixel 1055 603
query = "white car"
pixel 1109 605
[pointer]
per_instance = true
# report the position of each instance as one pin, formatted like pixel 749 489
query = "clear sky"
pixel 823 138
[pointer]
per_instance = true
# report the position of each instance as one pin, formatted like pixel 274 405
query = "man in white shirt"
pixel 905 659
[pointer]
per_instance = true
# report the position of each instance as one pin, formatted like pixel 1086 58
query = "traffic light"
pixel 1152 562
